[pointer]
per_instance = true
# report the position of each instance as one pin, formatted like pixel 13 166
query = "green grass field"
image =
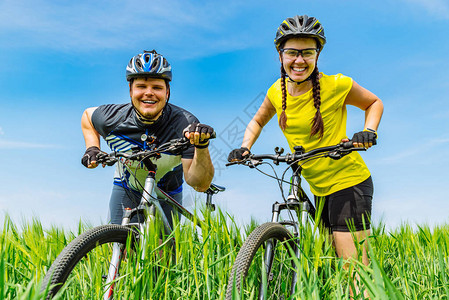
pixel 405 264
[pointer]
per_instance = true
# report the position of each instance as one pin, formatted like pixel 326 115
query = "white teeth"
pixel 298 69
pixel 149 102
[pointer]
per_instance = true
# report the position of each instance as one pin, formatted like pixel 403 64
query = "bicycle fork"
pixel 271 244
pixel 302 209
pixel 119 248
pixel 114 265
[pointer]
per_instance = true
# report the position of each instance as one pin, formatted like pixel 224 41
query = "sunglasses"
pixel 292 53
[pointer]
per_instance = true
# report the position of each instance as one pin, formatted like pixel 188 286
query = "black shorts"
pixel 348 209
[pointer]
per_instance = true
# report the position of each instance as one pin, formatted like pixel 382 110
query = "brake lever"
pixel 177 145
pixel 244 162
pixel 252 163
pixel 106 159
pixel 249 162
pixel 335 155
pixel 343 151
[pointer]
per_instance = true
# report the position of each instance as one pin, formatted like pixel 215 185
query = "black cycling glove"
pixel 237 154
pixel 365 137
pixel 90 155
pixel 200 128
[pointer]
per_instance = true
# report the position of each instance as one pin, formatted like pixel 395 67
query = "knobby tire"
pixel 246 275
pixel 76 250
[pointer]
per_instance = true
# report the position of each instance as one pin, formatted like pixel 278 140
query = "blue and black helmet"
pixel 300 26
pixel 148 64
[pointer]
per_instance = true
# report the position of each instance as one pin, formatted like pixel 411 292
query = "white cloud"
pixel 442 114
pixel 52 207
pixel 1 131
pixel 438 8
pixel 84 25
pixel 411 206
pixel 418 150
pixel 6 144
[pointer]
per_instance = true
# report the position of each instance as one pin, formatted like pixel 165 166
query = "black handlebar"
pixel 173 146
pixel 334 152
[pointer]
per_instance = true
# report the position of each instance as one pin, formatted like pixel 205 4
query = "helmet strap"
pixel 308 78
pixel 299 82
pixel 144 119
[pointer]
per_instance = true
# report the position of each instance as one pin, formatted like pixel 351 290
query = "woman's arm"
pixel 264 114
pixel 367 101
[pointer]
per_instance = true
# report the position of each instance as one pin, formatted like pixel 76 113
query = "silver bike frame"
pixel 150 203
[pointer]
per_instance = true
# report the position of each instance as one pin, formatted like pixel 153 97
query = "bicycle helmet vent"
pixel 148 64
pixel 300 26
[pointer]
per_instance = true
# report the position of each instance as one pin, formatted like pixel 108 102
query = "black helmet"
pixel 300 26
pixel 148 64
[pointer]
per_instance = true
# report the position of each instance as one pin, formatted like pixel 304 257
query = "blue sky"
pixel 60 57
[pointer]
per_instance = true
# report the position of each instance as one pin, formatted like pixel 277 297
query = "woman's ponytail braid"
pixel 283 116
pixel 317 122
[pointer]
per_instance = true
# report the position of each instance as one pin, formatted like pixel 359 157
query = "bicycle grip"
pixel 348 145
pixel 212 135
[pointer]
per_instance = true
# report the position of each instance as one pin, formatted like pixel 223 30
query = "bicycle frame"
pixel 113 237
pixel 297 203
pixel 149 204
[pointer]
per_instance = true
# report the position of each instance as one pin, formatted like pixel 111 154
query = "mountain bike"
pixel 265 266
pixel 95 257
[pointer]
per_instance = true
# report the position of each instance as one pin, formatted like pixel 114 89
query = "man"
pixel 122 126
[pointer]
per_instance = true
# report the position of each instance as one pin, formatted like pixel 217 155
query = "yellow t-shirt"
pixel 324 175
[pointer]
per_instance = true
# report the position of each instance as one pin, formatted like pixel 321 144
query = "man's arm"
pixel 91 135
pixel 199 171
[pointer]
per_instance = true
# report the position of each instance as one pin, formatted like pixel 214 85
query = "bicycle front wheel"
pixel 264 267
pixel 84 264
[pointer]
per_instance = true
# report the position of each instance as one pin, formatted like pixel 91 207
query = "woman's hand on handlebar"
pixel 238 154
pixel 363 139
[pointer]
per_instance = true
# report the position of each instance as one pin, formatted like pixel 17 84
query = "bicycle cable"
pixel 281 180
pixel 126 186
pixel 131 196
pixel 124 179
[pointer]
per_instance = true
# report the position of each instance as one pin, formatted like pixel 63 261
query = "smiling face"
pixel 149 96
pixel 299 69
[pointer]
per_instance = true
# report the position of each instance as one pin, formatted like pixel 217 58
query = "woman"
pixel 311 110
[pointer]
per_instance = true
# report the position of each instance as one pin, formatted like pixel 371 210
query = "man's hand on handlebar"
pixel 89 159
pixel 199 134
